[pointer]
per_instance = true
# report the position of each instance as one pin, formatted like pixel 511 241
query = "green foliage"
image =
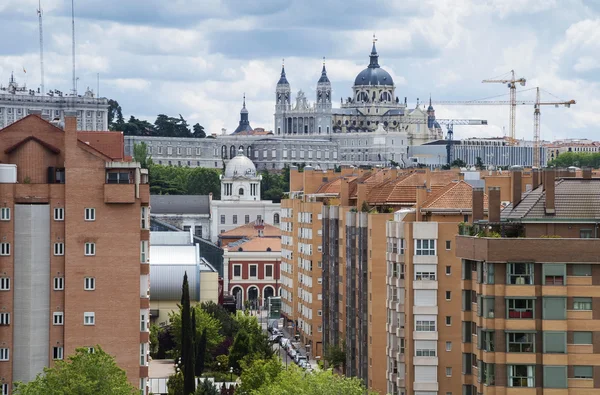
pixel 393 163
pixel 550 237
pixel 166 126
pixel 459 163
pixel 295 381
pixel 199 131
pixel 579 159
pixel 115 115
pixel 175 384
pixel 274 185
pixel 259 373
pixel 222 364
pixel 188 336
pixel 479 163
pixel 200 351
pixel 221 377
pixel 172 180
pixel 140 155
pixel 240 348
pixel 336 356
pixel 365 207
pixel 260 348
pixel 206 387
pixel 154 330
pixel 82 373
pixel 204 321
pixel 229 325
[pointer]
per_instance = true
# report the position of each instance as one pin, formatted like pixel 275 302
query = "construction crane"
pixel 39 12
pixel 512 85
pixel 536 115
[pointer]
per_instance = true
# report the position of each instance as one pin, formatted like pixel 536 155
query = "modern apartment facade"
pixel 74 265
pixel 530 279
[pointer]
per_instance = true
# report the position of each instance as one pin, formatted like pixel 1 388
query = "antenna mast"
pixel 39 11
pixel 73 45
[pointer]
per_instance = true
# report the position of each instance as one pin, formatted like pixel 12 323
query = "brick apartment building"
pixel 530 279
pixel 74 249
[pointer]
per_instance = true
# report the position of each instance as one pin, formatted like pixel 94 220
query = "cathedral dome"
pixel 240 166
pixel 374 74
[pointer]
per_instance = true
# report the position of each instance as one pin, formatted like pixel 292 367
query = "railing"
pixel 483 229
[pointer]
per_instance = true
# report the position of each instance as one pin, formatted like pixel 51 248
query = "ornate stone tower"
pixel 283 98
pixel 323 91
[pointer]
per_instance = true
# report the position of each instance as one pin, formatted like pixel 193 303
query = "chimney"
pixel 345 192
pixel 549 186
pixel 361 195
pixel 421 197
pixel 587 173
pixel 535 181
pixel 493 204
pixel 477 204
pixel 517 187
pixel 428 179
pixel 70 129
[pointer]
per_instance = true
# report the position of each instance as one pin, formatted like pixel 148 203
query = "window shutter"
pixel 554 269
pixel 425 297
pixel 426 374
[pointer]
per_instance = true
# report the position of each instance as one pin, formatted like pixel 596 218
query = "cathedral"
pixel 373 107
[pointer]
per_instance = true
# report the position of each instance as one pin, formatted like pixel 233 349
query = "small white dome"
pixel 240 166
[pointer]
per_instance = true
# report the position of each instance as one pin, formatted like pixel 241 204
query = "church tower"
pixel 430 115
pixel 283 101
pixel 323 91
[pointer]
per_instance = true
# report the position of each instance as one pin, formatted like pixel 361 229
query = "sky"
pixel 197 58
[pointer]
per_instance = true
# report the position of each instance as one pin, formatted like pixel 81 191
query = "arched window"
pixel 249 152
pixel 241 148
pixel 241 192
pixel 224 152
pixel 232 152
pixel 276 218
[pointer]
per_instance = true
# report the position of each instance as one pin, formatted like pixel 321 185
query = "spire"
pixel 244 106
pixel 244 125
pixel 430 108
pixel 374 63
pixel 324 78
pixel 282 79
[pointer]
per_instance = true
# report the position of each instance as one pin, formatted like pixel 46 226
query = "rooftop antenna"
pixel 39 12
pixel 73 45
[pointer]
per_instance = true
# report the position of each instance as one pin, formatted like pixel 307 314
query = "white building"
pixel 240 198
pixel 16 101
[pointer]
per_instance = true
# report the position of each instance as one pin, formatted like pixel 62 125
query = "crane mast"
pixel 512 85
pixel 536 129
pixel 39 12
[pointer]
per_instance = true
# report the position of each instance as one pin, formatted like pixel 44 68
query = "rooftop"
pixel 403 189
pixel 251 230
pixel 180 204
pixel 458 195
pixel 170 238
pixel 257 244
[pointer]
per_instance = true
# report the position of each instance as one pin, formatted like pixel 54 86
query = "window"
pixel 144 251
pixel 4 318
pixel 268 271
pixel 487 340
pixel 448 270
pixel 5 249
pixel 425 348
pixel 554 273
pixel 57 353
pixel 89 283
pixel 554 308
pixel 582 270
pixel 424 247
pixel 253 271
pixel 222 219
pixel 425 272
pixel 519 273
pixel 448 244
pixel 5 214
pixel 319 313
pixel 59 214
pixel 198 230
pixel 4 283
pixel 90 249
pixel 59 248
pixel 235 219
pixel 555 342
pixel 585 233
pixel 448 346
pixel 90 214
pixel 583 372
pixel 521 376
pixel 246 219
pixel 448 295
pixel 59 283
pixel 520 342
pixel 144 224
pixel 448 320
pixel 237 271
pixel 485 307
pixel 142 354
pixel 57 318
pixel 582 337
pixel 425 326
pixel 143 323
pixel 520 308
pixel 89 318
pixel 448 372
pixel 555 376
pixel 582 303
pixel 487 375
pixel 91 350
pixel 4 354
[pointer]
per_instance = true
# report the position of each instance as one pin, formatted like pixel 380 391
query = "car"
pixel 302 363
pixel 292 353
pixel 283 341
pixel 275 338
pixel 299 357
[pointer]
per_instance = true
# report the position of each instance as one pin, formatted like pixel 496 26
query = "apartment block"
pixel 74 231
pixel 423 290
pixel 530 282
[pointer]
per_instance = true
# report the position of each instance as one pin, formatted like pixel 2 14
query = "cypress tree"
pixel 187 342
pixel 200 353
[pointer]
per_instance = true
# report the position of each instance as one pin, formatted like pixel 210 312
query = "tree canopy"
pixel 579 159
pixel 82 373
pixel 140 154
pixel 174 180
pixel 204 321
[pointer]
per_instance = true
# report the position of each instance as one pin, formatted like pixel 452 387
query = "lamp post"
pixel 231 374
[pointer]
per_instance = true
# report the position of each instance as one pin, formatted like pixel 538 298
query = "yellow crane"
pixel 512 85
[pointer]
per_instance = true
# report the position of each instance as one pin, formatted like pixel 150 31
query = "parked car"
pixel 292 353
pixel 283 341
pixel 302 363
pixel 301 359
pixel 275 338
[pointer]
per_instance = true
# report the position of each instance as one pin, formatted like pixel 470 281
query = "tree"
pixel 200 352
pixel 393 163
pixel 175 384
pixel 336 356
pixel 459 163
pixel 204 321
pixel 82 373
pixel 202 181
pixel 115 115
pixel 140 155
pixel 479 163
pixel 187 344
pixel 198 131
pixel 258 373
pixel 229 325
pixel 365 207
pixel 206 388
pixel 239 349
